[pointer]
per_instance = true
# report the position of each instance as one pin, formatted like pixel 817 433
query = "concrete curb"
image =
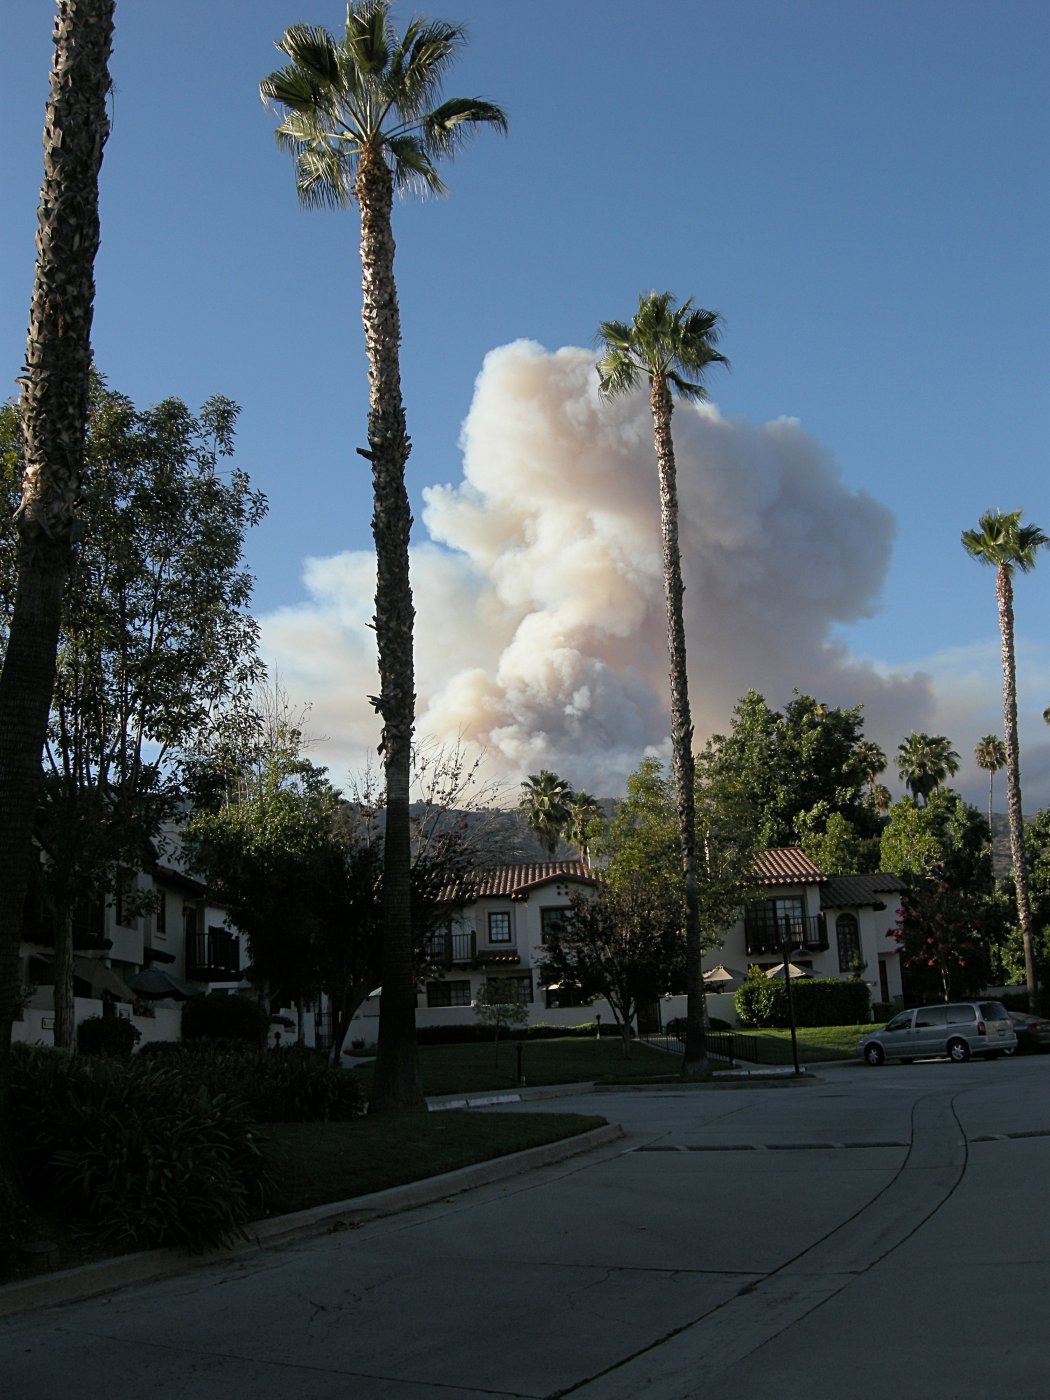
pixel 89 1280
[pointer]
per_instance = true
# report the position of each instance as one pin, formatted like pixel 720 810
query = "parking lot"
pixel 866 1232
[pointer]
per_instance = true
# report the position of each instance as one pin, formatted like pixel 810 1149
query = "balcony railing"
pixel 213 956
pixel 451 949
pixel 765 932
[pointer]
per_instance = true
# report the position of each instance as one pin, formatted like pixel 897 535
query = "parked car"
pixel 1033 1033
pixel 957 1029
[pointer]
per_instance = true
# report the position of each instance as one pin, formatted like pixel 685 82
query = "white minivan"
pixel 957 1029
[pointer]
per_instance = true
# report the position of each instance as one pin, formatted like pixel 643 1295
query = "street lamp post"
pixel 785 948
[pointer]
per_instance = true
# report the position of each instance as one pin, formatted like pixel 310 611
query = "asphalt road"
pixel 872 1233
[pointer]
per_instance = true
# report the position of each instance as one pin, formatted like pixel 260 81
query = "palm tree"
pixel 544 804
pixel 582 813
pixel 670 346
pixel 1003 542
pixel 361 120
pixel 924 762
pixel 990 753
pixel 872 761
pixel 881 798
pixel 53 413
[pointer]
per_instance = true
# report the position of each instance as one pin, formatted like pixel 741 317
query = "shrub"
pixel 218 1016
pixel 107 1035
pixel 281 1086
pixel 464 1034
pixel 138 1153
pixel 820 1001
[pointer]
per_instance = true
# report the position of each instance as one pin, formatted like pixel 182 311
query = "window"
pixel 448 993
pixel 771 922
pixel 847 930
pixel 512 989
pixel 554 918
pixel 161 917
pixel 499 928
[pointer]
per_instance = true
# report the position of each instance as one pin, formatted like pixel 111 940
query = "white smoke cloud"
pixel 541 626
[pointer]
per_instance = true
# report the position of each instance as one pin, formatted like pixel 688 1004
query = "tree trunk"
pixel 694 1062
pixel 1004 597
pixel 65 1032
pixel 397 1083
pixel 54 408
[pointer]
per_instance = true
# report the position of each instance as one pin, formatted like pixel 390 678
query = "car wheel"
pixel 1012 1050
pixel 959 1051
pixel 874 1054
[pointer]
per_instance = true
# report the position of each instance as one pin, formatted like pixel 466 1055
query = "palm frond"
pixel 412 166
pixel 1002 541
pixel 618 373
pixel 322 179
pixel 311 49
pixel 666 340
pixel 367 36
pixel 448 126
pixel 428 51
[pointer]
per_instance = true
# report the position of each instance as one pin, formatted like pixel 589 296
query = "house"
pixel 832 925
pixel 163 923
pixel 497 932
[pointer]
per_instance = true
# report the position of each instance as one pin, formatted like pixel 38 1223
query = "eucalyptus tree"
pixel 990 753
pixel 1001 541
pixel 924 762
pixel 670 347
pixel 545 804
pixel 362 118
pixel 54 408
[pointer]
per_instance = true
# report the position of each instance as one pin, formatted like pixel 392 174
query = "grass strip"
pixel 472 1068
pixel 315 1163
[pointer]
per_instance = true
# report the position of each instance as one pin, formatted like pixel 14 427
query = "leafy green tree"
pixel 924 762
pixel 1001 541
pixel 155 637
pixel 544 804
pixel 990 753
pixel 670 347
pixel 830 841
pixel 799 768
pixel 948 921
pixel 1037 864
pixel 361 120
pixel 623 944
pixel 54 418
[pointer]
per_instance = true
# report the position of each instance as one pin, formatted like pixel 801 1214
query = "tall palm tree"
pixel 1003 542
pixel 671 346
pixel 362 119
pixel 872 762
pixel 990 753
pixel 53 413
pixel 924 762
pixel 544 804
pixel 582 814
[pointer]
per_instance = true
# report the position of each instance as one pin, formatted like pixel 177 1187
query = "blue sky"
pixel 859 188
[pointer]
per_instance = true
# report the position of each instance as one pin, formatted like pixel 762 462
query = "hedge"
pixel 818 1001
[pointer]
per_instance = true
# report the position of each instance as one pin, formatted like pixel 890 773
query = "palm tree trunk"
pixel 1004 597
pixel 397 1083
pixel 694 1061
pixel 54 409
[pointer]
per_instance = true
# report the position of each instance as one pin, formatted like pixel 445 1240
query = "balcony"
pixel 214 956
pixel 450 949
pixel 765 932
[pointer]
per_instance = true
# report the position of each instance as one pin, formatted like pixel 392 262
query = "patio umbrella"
pixel 102 979
pixel 793 971
pixel 155 984
pixel 721 974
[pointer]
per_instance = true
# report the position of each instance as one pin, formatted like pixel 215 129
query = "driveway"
pixel 873 1233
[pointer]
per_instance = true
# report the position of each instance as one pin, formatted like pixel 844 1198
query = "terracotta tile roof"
pixel 844 890
pixel 786 865
pixel 516 881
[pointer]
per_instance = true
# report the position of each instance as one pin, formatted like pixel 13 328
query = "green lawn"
pixel 319 1162
pixel 815 1043
pixel 475 1068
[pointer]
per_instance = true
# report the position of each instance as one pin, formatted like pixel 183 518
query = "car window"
pixel 900 1022
pixel 961 1015
pixel 994 1011
pixel 931 1016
